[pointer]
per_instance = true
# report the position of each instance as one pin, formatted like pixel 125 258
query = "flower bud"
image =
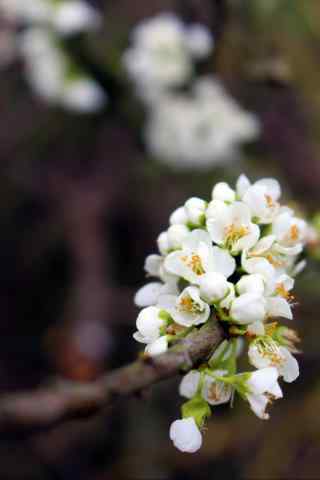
pixel 163 243
pixel 195 209
pixel 248 308
pixel 186 435
pixel 176 235
pixel 251 284
pixel 178 217
pixel 213 287
pixel 148 324
pixel 223 192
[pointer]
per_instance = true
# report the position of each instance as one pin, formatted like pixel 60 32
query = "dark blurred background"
pixel 81 206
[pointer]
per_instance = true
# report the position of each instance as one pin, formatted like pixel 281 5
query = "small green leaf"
pixel 197 408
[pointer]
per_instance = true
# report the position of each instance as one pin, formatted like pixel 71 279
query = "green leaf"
pixel 197 408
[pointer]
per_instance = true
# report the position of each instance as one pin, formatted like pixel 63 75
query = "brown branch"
pixel 47 407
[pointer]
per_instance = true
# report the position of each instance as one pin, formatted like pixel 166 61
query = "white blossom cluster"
pixel 50 71
pixel 191 127
pixel 234 258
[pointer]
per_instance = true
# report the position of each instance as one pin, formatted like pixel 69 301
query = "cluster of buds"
pixel 235 259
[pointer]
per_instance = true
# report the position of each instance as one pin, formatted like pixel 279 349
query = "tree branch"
pixel 47 407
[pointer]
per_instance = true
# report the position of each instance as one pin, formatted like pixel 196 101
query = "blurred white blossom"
pixel 162 53
pixel 52 75
pixel 200 129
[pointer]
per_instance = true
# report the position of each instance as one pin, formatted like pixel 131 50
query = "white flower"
pixel 265 352
pixel 248 308
pixel 195 209
pixel 189 384
pixel 187 309
pixel 213 287
pixel 74 16
pixel 262 385
pixel 214 391
pixel 172 239
pixel 149 294
pixel 198 257
pixel 186 435
pixel 222 191
pixel 162 52
pixel 158 346
pixel 230 226
pixel 262 199
pixel 83 95
pixel 148 324
pixel 198 129
pixel 290 233
pixel 154 267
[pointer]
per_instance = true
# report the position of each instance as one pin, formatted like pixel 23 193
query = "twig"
pixel 47 407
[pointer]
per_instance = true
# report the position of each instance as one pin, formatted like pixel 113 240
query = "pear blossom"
pixel 185 435
pixel 188 309
pixel 197 257
pixel 262 199
pixel 265 352
pixel 195 209
pixel 230 226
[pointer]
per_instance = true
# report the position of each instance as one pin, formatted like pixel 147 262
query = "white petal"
pixel 258 404
pixel 278 307
pixel 149 323
pixel 152 264
pixel 262 380
pixel 242 185
pixel 189 384
pixel 213 287
pixel 248 241
pixel 272 187
pixel 185 435
pixel 290 369
pixel 178 217
pixel 248 308
pixel 194 239
pixel 223 192
pixel 253 283
pixel 256 328
pixel 148 294
pixel 157 347
pixel 223 262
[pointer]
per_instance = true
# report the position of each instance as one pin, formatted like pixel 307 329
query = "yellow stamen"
pixel 233 233
pixel 194 262
pixel 283 292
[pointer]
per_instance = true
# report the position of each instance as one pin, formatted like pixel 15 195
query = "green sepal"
pixel 166 317
pixel 224 358
pixel 197 408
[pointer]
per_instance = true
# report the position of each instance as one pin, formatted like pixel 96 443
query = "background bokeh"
pixel 81 206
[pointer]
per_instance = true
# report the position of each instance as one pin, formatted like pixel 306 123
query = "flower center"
pixel 233 233
pixel 269 201
pixel 283 292
pixel 270 351
pixel 294 232
pixel 194 262
pixel 214 392
pixel 186 304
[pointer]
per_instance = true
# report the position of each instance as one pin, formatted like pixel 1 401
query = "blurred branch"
pixel 47 407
